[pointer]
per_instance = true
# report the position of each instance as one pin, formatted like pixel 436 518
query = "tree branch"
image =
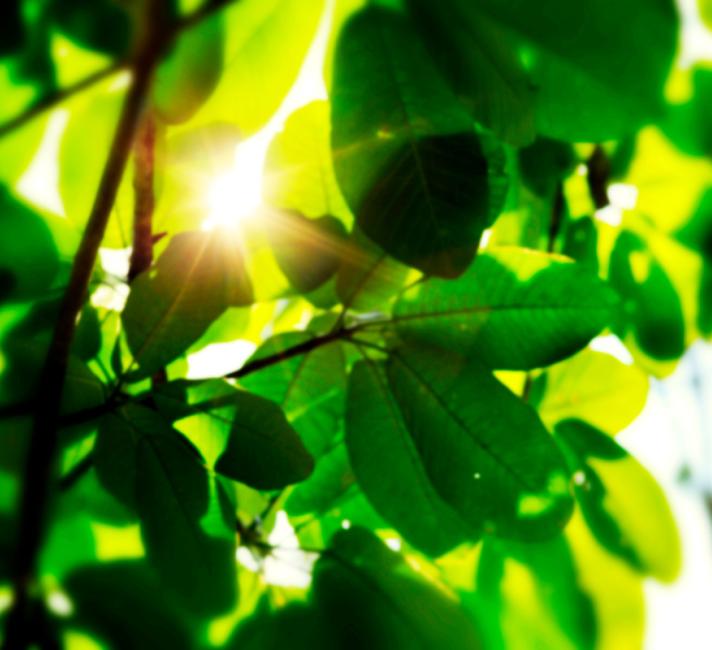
pixel 50 101
pixel 40 467
pixel 144 199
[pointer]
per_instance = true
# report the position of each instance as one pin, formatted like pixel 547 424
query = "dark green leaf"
pixel 485 452
pixel 188 76
pixel 651 307
pixel 310 388
pixel 263 450
pixel 196 279
pixel 581 92
pixel 28 256
pixel 173 498
pixel 406 155
pixel 372 599
pixel 514 309
pixel 123 603
pixel 390 470
pixel 308 251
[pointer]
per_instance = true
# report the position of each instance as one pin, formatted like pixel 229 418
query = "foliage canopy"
pixel 412 441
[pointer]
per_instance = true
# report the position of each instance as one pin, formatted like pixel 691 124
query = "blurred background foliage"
pixel 284 138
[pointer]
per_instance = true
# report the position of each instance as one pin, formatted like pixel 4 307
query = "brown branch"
pixel 40 466
pixel 144 153
pixel 69 479
pixel 599 173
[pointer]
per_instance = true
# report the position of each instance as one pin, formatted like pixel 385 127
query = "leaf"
pixel 310 388
pixel 370 598
pixel 406 155
pixel 514 309
pixel 308 251
pixel 263 450
pixel 299 173
pixel 195 280
pixel 596 388
pixel 95 112
pixel 266 42
pixel 390 470
pixel 123 603
pixel 190 73
pixel 622 503
pixel 473 53
pixel 102 25
pixel 651 307
pixel 331 481
pixel 368 279
pixel 535 593
pixel 172 491
pixel 28 255
pixel 581 94
pixel 485 452
pixel 150 467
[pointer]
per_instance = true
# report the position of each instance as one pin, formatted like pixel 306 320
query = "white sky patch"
pixel 286 565
pixel 40 182
pixel 696 39
pixel 611 215
pixel 612 345
pixel 58 603
pixel 219 359
pixel 623 196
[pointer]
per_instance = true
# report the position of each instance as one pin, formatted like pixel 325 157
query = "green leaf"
pixel 332 480
pixel 594 387
pixel 514 309
pixel 310 388
pixel 266 42
pixel 544 164
pixel 406 155
pixel 486 453
pixel 150 467
pixel 299 173
pixel 28 255
pixel 581 93
pixel 390 470
pixel 372 599
pixel 195 280
pixel 623 504
pixel 263 450
pixel 173 497
pixel 308 251
pixel 651 308
pixel 102 25
pixel 95 112
pixel 553 611
pixel 124 604
pixel 474 54
pixel 190 73
pixel 368 279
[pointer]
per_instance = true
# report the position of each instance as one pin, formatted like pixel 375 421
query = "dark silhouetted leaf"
pixel 406 155
pixel 196 279
pixel 308 251
pixel 263 450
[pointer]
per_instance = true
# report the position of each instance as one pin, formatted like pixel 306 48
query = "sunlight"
pixel 236 195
